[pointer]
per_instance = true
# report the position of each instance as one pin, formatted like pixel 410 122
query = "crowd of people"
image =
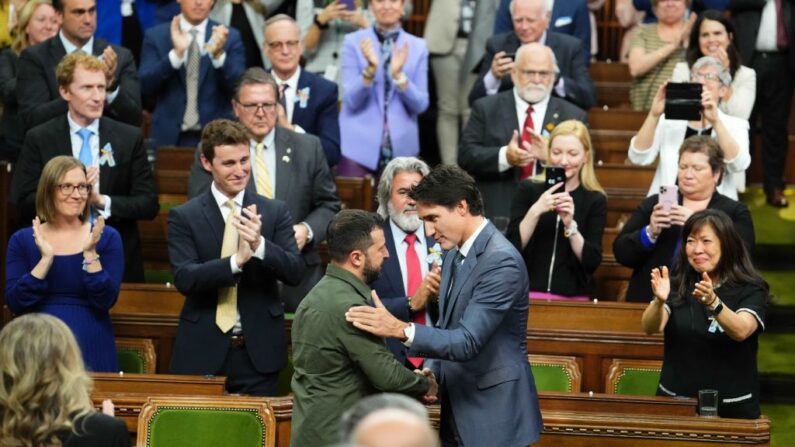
pixel 278 98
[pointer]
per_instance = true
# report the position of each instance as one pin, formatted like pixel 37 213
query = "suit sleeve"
pixel 8 77
pixel 281 252
pixel 355 93
pixel 127 106
pixel 578 86
pixel 27 171
pixel 156 68
pixel 415 96
pixel 523 199
pixel 328 126
pixel 199 180
pixel 35 104
pixel 325 203
pixel 593 229
pixel 23 290
pixel 140 201
pixel 473 156
pixel 235 63
pixel 628 247
pixel 102 287
pixel 582 31
pixel 479 88
pixel 503 22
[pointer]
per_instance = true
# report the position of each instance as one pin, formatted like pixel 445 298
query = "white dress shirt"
pixel 220 199
pixel 289 95
pixel 766 37
pixel 93 141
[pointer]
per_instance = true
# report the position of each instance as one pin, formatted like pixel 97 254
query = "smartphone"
pixel 510 55
pixel 350 5
pixel 683 101
pixel 555 175
pixel 668 197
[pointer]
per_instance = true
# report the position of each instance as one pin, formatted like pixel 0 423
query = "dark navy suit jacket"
pixel 320 115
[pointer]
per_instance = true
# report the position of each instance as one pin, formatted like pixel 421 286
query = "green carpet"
pixel 776 353
pixel 782 418
pixel 773 226
pixel 782 286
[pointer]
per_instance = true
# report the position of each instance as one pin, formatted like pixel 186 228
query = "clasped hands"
pixel 180 39
pixel 248 225
pixel 522 153
pixel 430 396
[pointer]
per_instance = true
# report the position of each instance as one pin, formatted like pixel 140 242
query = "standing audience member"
pixel 656 49
pixel 37 23
pixel 67 267
pixel 629 18
pixel 37 87
pixel 713 35
pixel 385 88
pixel 497 144
pixel 456 47
pixel 122 187
pixel 662 136
pixel 248 18
pixel 307 102
pixel 650 237
pixel 559 230
pixel 711 311
pixel 531 17
pixel 124 22
pixel 228 248
pixel 287 166
pixel 45 394
pixel 478 348
pixel 189 66
pixel 336 365
pixel 409 284
pixel 765 32
pixel 388 420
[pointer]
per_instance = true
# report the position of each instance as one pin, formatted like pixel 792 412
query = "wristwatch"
pixel 716 307
pixel 320 25
pixel 571 230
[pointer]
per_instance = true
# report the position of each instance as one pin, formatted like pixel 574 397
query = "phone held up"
pixel 668 197
pixel 555 175
pixel 683 101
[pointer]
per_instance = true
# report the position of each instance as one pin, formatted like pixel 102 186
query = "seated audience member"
pixel 662 136
pixel 122 187
pixel 189 66
pixel 336 365
pixel 65 266
pixel 713 35
pixel 307 102
pixel 248 18
pixel 656 49
pixel 649 239
pixel 37 87
pixel 492 150
pixel 388 420
pixel 530 18
pixel 559 230
pixel 385 88
pixel 711 311
pixel 37 23
pixel 45 395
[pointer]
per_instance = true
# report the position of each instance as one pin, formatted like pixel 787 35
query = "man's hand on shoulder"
pixel 376 320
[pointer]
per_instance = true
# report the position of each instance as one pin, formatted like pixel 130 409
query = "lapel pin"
pixel 286 159
pixel 289 150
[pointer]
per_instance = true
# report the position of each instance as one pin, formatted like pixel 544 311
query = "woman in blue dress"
pixel 66 267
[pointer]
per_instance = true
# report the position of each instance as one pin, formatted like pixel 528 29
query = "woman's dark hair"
pixel 694 51
pixel 734 267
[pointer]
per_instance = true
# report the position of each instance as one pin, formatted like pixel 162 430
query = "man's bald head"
pixel 394 427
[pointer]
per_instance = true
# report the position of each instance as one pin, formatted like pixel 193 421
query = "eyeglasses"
pixel 532 74
pixel 67 188
pixel 254 108
pixel 695 77
pixel 290 45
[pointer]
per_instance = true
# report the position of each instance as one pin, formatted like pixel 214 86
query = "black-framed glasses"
pixel 290 45
pixel 254 108
pixel 67 188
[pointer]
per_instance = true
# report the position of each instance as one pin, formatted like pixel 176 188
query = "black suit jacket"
pixel 746 15
pixel 38 96
pixel 490 126
pixel 195 236
pixel 129 183
pixel 10 132
pixel 568 52
pixel 97 430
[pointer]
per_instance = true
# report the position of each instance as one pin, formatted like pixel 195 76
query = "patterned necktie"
pixel 226 310
pixel 191 119
pixel 387 43
pixel 262 178
pixel 414 273
pixel 283 99
pixel 529 170
pixel 85 149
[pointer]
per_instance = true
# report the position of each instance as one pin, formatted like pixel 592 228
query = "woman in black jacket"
pixel 651 237
pixel 559 230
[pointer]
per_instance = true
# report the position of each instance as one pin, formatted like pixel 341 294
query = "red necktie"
pixel 528 170
pixel 414 273
pixel 781 32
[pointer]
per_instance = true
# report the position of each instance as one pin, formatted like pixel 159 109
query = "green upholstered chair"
pixel 136 355
pixel 634 377
pixel 556 373
pixel 206 421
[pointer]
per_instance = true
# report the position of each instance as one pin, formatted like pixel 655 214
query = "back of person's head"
pixel 20 39
pixel 694 48
pixel 579 130
pixel 45 386
pixel 387 420
pixel 47 191
pixel 65 71
pixel 447 186
pixel 350 230
pixel 394 167
pixel 222 132
pixel 705 144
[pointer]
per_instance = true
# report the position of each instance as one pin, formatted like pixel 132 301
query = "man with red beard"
pixel 501 145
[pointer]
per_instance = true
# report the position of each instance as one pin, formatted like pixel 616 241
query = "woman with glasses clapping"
pixel 65 266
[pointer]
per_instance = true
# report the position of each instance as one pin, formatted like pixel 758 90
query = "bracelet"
pixel 87 262
pixel 320 25
pixel 652 238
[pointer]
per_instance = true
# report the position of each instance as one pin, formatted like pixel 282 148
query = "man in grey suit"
pixel 456 34
pixel 499 146
pixel 477 350
pixel 287 166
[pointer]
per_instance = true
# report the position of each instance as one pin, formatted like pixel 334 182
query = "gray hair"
pixel 709 61
pixel 528 46
pixel 254 76
pixel 544 8
pixel 281 18
pixel 397 165
pixel 370 404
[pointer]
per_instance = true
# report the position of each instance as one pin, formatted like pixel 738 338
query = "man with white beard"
pixel 409 281
pixel 501 143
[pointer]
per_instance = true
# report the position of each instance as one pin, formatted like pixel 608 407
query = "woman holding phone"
pixel 650 237
pixel 711 310
pixel 559 229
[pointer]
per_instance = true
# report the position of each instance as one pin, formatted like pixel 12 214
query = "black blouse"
pixel 569 276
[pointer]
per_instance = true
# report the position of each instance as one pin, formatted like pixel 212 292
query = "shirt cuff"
pixel 645 238
pixel 491 83
pixel 110 97
pixel 105 212
pixel 176 62
pixel 309 233
pixel 409 336
pixel 560 88
pixel 219 62
pixel 502 160
pixel 260 253
pixel 235 268
pixel 299 129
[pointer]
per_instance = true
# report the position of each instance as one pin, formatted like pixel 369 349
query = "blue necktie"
pixel 85 150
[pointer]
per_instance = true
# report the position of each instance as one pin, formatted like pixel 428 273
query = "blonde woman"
pixel 559 230
pixel 45 392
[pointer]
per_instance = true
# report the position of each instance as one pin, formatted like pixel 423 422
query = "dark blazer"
pixel 195 235
pixel 167 86
pixel 479 348
pixel 491 123
pixel 129 183
pixel 392 292
pixel 38 96
pixel 568 53
pixel 746 15
pixel 630 251
pixel 320 116
pixel 97 430
pixel 10 125
pixel 569 276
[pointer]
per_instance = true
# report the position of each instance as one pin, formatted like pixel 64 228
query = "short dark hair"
pixel 705 144
pixel 222 132
pixel 447 186
pixel 350 230
pixel 254 76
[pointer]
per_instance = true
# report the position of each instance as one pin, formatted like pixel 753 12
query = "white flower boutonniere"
pixel 435 254
pixel 106 156
pixel 302 97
